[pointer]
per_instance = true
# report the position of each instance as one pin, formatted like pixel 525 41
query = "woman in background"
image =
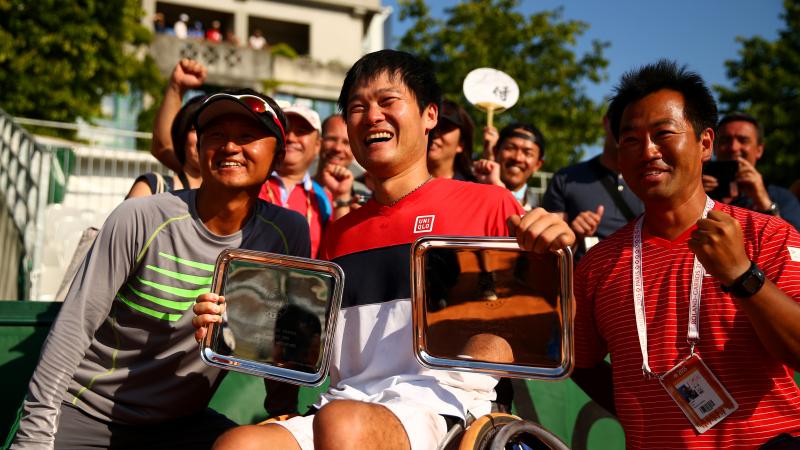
pixel 450 144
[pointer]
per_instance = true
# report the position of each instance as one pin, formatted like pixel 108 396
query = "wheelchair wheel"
pixel 526 434
pixel 499 431
pixel 480 433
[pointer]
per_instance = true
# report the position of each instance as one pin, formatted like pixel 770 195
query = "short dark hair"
pixel 182 125
pixel 328 119
pixel 744 117
pixel 452 112
pixel 415 73
pixel 508 130
pixel 699 106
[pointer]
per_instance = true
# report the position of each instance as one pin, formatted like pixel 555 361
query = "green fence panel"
pixel 23 328
pixel 561 406
pixel 241 398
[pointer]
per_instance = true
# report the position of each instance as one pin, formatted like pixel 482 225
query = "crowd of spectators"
pixel 184 28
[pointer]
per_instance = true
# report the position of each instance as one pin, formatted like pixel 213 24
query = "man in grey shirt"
pixel 120 367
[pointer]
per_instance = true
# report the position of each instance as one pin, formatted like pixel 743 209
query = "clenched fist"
pixel 718 243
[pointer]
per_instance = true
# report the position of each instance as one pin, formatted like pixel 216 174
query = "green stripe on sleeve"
pixel 180 306
pixel 150 312
pixel 153 236
pixel 178 292
pixel 193 279
pixel 186 262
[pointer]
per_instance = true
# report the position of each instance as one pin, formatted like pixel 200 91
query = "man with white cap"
pixel 120 365
pixel 291 184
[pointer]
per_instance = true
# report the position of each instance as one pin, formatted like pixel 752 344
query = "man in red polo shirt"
pixel 719 376
pixel 291 184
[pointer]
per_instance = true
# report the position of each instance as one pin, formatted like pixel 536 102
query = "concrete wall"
pixel 337 28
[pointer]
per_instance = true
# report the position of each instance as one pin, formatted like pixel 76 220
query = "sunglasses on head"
pixel 256 104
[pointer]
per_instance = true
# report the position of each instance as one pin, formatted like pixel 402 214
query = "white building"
pixel 77 185
pixel 327 35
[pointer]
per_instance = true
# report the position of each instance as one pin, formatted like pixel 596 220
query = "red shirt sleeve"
pixel 779 256
pixel 590 347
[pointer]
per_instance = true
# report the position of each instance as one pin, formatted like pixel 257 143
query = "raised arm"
pixel 718 243
pixel 187 74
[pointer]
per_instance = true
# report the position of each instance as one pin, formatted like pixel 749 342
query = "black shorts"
pixel 78 430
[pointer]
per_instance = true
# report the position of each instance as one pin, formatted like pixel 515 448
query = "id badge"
pixel 699 394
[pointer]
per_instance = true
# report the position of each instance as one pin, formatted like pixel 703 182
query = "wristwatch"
pixel 339 203
pixel 748 284
pixel 772 210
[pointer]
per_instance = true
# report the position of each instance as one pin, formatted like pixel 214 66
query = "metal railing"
pixel 24 177
pixel 89 132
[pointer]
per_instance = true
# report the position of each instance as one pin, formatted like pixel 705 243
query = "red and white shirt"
pixel 605 322
pixel 373 357
pixel 302 199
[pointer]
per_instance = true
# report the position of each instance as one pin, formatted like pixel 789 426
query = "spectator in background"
pixel 450 144
pixel 159 25
pixel 181 27
pixel 197 30
pixel 174 138
pixel 187 74
pixel 214 34
pixel 183 139
pixel 519 153
pixel 231 38
pixel 337 169
pixel 593 196
pixel 257 40
pixel 290 185
pixel 741 138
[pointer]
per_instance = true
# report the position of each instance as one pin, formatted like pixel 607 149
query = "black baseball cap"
pixel 244 102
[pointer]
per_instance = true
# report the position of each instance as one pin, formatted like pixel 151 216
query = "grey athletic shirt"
pixel 123 348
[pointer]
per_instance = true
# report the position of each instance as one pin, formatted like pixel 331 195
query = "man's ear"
pixel 759 151
pixel 430 117
pixel 707 143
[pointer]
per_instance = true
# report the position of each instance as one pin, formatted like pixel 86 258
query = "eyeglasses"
pixel 256 104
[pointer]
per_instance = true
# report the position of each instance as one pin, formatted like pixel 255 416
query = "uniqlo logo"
pixel 424 224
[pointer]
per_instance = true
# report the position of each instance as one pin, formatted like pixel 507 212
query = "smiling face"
pixel 302 146
pixel 660 157
pixel 739 139
pixel 445 144
pixel 235 152
pixel 519 158
pixel 388 133
pixel 335 143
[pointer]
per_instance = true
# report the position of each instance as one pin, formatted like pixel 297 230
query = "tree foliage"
pixel 766 84
pixel 537 51
pixel 58 58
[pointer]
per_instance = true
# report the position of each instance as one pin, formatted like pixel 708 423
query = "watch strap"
pixel 750 282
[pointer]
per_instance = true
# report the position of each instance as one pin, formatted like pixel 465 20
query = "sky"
pixel 699 33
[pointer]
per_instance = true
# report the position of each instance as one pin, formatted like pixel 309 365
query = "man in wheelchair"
pixel 379 395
